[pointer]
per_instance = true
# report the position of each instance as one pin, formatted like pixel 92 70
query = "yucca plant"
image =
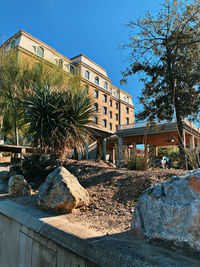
pixel 57 120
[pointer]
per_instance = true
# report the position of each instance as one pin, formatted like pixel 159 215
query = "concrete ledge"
pixel 120 249
pixel 24 215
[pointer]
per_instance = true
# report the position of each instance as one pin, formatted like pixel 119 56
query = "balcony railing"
pixel 148 124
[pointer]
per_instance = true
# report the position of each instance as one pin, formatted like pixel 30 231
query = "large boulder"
pixel 170 211
pixel 61 192
pixel 18 186
pixel 3 186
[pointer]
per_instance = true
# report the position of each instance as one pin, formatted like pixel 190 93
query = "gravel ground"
pixel 113 194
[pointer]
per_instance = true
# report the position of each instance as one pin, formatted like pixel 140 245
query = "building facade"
pixel 113 106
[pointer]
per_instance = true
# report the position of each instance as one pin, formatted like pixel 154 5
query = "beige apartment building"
pixel 113 106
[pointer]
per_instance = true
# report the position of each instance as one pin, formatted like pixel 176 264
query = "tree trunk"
pixel 181 141
pixel 16 132
pixel 75 153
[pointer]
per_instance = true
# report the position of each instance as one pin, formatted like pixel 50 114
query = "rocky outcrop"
pixel 61 192
pixel 18 186
pixel 3 186
pixel 170 211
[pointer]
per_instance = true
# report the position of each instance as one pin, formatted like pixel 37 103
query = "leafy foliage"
pixel 193 159
pixel 35 169
pixel 165 49
pixel 16 80
pixel 57 120
pixel 10 90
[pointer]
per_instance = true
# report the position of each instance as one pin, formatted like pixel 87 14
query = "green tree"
pixel 16 80
pixel 165 51
pixel 10 89
pixel 57 120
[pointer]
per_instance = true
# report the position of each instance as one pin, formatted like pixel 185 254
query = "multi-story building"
pixel 114 106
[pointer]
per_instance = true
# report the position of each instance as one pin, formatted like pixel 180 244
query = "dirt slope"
pixel 113 193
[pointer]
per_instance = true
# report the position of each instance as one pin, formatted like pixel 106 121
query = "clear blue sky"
pixel 94 28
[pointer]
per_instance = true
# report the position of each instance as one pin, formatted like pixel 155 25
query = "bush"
pixel 35 169
pixel 174 156
pixel 57 121
pixel 137 163
pixel 193 160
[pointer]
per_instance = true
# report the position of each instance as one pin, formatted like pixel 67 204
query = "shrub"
pixel 36 168
pixel 56 120
pixel 193 160
pixel 137 163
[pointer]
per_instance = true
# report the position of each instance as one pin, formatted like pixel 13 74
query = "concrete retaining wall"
pixel 20 246
pixel 32 238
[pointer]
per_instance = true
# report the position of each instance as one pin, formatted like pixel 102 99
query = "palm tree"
pixel 57 120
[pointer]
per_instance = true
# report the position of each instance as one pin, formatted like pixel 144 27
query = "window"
pixel 116 128
pixel 96 80
pixel 34 48
pixel 110 103
pixel 116 105
pixel 106 85
pixel 105 98
pixel 87 75
pixel 60 63
pixel 96 107
pixel 72 69
pixel 111 90
pixel 95 120
pixel 96 94
pixel 116 117
pixel 40 51
pixel 13 43
pixel 127 120
pixel 127 110
pixel 105 110
pixel 110 126
pixel 104 123
pixel 110 114
pixel 127 99
pixel 86 88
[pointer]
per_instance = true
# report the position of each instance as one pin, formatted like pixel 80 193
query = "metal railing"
pixel 148 124
pixel 190 124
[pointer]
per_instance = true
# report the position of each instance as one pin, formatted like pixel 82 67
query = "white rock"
pixel 170 211
pixel 18 186
pixel 62 192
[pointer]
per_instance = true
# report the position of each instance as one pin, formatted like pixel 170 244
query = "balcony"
pixel 148 124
